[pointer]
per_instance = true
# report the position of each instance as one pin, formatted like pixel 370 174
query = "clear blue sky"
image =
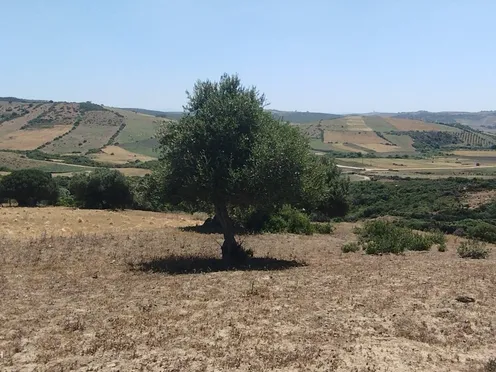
pixel 315 55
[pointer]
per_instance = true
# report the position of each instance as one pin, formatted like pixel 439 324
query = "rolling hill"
pixel 392 135
pixel 73 136
pixel 483 120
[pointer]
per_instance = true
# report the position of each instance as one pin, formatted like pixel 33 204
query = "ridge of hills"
pixel 71 136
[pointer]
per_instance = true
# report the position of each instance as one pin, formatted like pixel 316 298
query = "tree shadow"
pixel 197 265
pixel 201 229
pixel 212 226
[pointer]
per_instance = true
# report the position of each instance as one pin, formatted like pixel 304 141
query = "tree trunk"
pixel 232 252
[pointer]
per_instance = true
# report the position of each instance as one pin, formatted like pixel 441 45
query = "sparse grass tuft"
pixel 473 249
pixel 350 247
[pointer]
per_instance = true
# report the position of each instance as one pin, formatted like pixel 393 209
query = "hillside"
pixel 71 136
pixel 483 120
pixel 296 117
pixel 392 136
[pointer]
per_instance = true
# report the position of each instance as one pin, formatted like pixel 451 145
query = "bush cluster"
pixel 378 237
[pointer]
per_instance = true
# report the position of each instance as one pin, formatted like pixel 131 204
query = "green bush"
pixel 482 231
pixel 29 187
pixel 322 228
pixel 289 220
pixel 378 237
pixel 472 249
pixel 101 189
pixel 351 247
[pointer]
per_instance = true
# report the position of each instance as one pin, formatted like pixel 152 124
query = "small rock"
pixel 465 299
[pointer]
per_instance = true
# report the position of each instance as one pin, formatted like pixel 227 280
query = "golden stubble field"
pixel 113 298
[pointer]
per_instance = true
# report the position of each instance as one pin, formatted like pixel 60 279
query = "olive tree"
pixel 227 151
pixel 29 187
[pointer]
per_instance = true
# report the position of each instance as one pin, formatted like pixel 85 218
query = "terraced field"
pixel 93 132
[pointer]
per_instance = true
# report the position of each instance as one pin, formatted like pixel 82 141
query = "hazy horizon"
pixel 330 57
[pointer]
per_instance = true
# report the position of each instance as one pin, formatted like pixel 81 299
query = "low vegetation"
pixel 29 187
pixel 101 189
pixel 473 249
pixel 379 237
pixel 427 205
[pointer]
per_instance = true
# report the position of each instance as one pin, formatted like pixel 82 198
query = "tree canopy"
pixel 29 187
pixel 227 151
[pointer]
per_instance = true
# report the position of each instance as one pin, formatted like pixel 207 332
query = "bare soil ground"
pixel 121 300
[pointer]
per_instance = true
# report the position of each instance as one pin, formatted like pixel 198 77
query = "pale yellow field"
pixel 14 125
pixel 343 147
pixel 408 124
pixel 476 153
pixel 355 137
pixel 356 123
pixel 380 147
pixel 118 155
pixel 134 171
pixel 33 138
pixel 418 163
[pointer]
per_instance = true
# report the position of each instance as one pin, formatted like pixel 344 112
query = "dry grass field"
pixel 124 298
pixel 32 138
pixel 434 163
pixel 118 155
pixel 354 137
pixel 11 126
pixel 94 131
pixel 408 124
pixel 476 153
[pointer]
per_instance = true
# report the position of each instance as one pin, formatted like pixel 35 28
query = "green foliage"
pixel 302 117
pixel 472 249
pixel 324 190
pixel 425 141
pixel 227 151
pixel 379 237
pixel 427 205
pixel 89 106
pixel 101 189
pixel 289 220
pixel 148 192
pixel 351 247
pixel 38 123
pixel 29 187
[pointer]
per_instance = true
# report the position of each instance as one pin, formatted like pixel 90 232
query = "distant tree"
pixel 101 189
pixel 29 187
pixel 227 151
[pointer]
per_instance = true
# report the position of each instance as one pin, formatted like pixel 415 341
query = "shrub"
pixel 322 228
pixel 378 237
pixel 289 220
pixel 101 189
pixel 482 231
pixel 29 187
pixel 350 247
pixel 472 249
